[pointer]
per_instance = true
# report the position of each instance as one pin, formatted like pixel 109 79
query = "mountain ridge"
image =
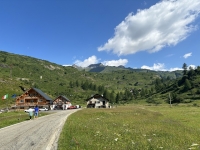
pixel 78 84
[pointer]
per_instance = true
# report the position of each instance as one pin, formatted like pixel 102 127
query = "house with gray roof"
pixel 61 102
pixel 97 101
pixel 33 97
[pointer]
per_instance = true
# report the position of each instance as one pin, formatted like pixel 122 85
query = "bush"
pixel 195 105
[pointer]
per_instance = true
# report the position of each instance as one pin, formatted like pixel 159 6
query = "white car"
pixel 43 109
pixel 28 110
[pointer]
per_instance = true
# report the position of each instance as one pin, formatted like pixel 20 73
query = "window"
pixel 31 100
pixel 21 101
pixel 40 100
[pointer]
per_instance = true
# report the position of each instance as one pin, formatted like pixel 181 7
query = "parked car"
pixel 43 109
pixel 72 107
pixel 28 110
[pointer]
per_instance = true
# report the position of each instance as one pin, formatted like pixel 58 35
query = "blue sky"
pixel 151 34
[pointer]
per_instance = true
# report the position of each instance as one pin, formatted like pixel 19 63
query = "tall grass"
pixel 132 128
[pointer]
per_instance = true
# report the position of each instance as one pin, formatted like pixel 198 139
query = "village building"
pixel 31 98
pixel 97 101
pixel 61 103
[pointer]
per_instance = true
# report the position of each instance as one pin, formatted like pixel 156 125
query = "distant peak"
pixel 75 66
pixel 96 65
pixel 121 66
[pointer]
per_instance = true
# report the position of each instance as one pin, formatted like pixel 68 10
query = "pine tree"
pixel 117 99
pixel 187 85
pixel 77 83
pixel 184 69
pixel 112 97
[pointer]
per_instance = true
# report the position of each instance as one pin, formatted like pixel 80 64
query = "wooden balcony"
pixel 32 104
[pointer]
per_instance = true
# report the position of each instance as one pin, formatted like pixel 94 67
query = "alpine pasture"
pixel 133 127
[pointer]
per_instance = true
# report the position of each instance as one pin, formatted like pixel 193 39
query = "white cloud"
pixel 156 67
pixel 163 24
pixel 174 69
pixel 161 67
pixel 91 60
pixel 67 65
pixel 192 66
pixel 119 62
pixel 187 55
pixel 94 60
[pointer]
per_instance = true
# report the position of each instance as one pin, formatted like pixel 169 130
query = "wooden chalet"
pixel 97 101
pixel 31 98
pixel 61 102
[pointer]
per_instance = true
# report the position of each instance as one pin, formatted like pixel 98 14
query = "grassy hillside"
pixel 119 84
pixel 54 79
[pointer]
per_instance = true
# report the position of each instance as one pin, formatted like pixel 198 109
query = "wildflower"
pixel 144 135
pixel 154 134
pixel 194 144
pixel 161 147
pixel 116 139
pixel 133 142
pixel 149 140
pixel 126 130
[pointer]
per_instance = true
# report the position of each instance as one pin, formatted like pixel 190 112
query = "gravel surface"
pixel 39 134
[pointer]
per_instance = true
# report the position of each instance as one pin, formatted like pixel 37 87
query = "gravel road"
pixel 39 134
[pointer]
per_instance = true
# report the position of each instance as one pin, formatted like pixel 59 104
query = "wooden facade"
pixel 31 98
pixel 97 101
pixel 61 102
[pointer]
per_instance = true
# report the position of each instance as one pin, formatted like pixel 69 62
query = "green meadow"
pixel 13 117
pixel 132 128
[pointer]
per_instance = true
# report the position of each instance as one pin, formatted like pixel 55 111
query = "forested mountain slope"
pixel 119 84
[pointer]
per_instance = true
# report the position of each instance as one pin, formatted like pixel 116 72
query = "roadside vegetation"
pixel 13 117
pixel 133 127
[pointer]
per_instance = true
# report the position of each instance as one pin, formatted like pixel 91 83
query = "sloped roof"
pixel 42 94
pixel 95 96
pixel 63 98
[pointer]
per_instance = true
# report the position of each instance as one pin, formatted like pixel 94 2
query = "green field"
pixel 133 128
pixel 13 117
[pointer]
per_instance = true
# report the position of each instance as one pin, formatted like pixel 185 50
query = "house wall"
pixel 30 99
pixel 60 103
pixel 98 102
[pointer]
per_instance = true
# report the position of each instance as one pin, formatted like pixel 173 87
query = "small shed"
pixel 33 97
pixel 97 101
pixel 61 103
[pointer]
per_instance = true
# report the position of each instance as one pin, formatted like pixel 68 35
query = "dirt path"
pixel 38 134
